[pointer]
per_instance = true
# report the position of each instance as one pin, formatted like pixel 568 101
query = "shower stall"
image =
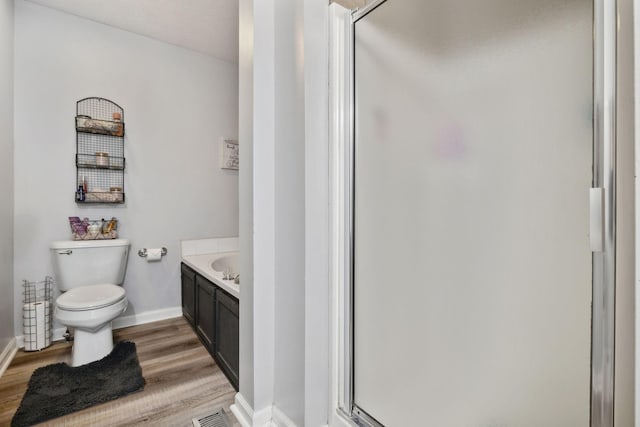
pixel 478 213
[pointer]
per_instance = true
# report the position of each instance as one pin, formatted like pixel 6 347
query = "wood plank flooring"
pixel 182 380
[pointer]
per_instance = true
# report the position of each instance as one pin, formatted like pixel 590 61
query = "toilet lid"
pixel 90 297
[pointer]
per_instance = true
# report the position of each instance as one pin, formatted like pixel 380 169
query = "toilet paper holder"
pixel 37 312
pixel 143 252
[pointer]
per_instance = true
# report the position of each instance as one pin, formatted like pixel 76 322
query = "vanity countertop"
pixel 201 263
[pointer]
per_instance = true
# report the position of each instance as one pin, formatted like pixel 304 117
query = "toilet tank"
pixel 89 262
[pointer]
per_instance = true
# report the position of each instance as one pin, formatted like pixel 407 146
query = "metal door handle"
pixel 67 252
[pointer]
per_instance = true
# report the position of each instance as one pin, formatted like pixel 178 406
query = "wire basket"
pixel 36 314
pixel 93 229
pixel 100 161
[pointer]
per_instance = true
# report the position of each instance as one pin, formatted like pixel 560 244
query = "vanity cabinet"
pixel 188 291
pixel 227 335
pixel 214 315
pixel 205 312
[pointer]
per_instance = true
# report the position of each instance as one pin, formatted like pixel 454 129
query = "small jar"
pixel 116 194
pixel 102 159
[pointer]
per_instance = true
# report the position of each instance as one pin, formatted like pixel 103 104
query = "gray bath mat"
pixel 60 389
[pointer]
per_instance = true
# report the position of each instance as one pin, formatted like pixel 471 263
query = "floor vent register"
pixel 217 419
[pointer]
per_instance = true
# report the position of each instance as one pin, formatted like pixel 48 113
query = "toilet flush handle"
pixel 67 252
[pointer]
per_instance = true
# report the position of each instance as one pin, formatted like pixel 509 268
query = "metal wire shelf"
pixel 91 161
pixel 100 161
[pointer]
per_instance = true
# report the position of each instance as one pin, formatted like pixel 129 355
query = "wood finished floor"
pixel 182 380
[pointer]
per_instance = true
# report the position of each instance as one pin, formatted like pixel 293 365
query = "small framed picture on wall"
pixel 230 158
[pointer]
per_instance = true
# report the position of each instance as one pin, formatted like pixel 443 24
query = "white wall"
pixel 263 195
pixel 289 210
pixel 286 377
pixel 245 131
pixel 177 103
pixel 317 283
pixel 6 170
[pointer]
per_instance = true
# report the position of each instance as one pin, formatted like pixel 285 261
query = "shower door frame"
pixel 342 50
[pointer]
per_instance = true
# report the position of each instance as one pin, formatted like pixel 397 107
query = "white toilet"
pixel 89 274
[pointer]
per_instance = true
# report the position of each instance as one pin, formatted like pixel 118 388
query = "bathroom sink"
pixel 227 266
pixel 226 263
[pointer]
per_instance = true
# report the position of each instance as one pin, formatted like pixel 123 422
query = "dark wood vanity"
pixel 214 315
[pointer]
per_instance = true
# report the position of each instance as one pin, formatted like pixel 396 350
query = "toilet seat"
pixel 90 297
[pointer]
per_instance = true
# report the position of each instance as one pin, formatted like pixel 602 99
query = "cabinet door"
pixel 205 317
pixel 188 293
pixel 227 335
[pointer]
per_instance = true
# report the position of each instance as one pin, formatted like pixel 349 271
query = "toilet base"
pixel 91 346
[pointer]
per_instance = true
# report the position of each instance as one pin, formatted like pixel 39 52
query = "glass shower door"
pixel 472 269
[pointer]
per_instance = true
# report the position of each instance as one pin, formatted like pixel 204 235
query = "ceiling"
pixel 206 26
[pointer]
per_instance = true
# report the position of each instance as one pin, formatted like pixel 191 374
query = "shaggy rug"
pixel 60 389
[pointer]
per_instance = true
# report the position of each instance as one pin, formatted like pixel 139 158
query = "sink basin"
pixel 228 263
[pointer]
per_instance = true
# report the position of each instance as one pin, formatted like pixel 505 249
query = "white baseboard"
pixel 120 322
pixel 280 419
pixel 270 416
pixel 242 411
pixel 7 355
pixel 247 417
pixel 263 417
pixel 57 335
pixel 147 317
